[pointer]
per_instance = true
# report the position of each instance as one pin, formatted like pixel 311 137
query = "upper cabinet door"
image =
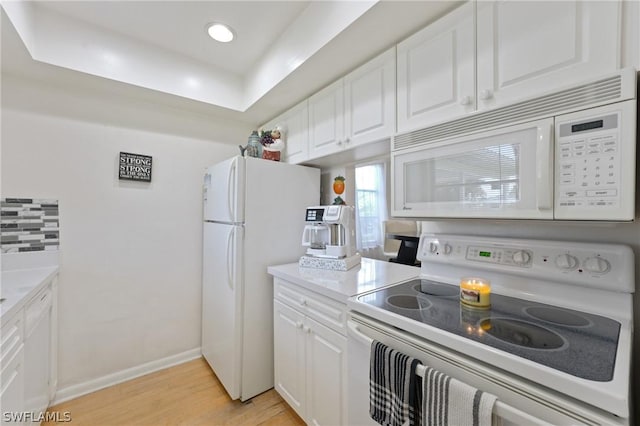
pixel 436 71
pixel 294 125
pixel 326 120
pixel 370 100
pixel 528 48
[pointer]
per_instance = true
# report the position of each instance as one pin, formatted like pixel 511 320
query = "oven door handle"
pixel 515 416
pixel 353 327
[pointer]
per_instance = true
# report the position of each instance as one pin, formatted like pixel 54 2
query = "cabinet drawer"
pixel 326 311
pixel 12 336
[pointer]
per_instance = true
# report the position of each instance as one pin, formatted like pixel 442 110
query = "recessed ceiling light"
pixel 220 32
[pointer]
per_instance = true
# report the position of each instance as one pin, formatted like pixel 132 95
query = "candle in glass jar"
pixel 475 292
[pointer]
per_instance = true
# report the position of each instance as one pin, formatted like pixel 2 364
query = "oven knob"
pixel 597 264
pixel 521 257
pixel 566 261
pixel 447 248
pixel 433 247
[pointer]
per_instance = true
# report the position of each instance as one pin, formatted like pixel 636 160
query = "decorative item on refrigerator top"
pixel 330 238
pixel 253 148
pixel 272 144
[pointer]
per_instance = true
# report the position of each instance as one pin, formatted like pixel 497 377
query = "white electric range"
pixel 554 347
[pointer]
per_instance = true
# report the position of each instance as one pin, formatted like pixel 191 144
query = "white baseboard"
pixel 74 391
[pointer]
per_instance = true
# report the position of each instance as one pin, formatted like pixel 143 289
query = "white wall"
pixel 130 275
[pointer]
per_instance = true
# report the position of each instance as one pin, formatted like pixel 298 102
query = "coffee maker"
pixel 330 234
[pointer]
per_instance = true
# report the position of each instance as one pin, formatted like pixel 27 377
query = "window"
pixel 371 205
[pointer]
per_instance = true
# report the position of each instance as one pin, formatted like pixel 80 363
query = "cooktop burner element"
pixel 433 288
pixel 522 333
pixel 404 301
pixel 557 316
pixel 578 343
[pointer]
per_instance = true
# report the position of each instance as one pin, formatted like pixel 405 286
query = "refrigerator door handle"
pixel 230 256
pixel 205 188
pixel 231 190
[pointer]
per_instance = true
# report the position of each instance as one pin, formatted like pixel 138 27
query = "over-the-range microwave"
pixel 570 155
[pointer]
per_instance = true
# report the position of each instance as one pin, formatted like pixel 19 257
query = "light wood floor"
pixel 188 394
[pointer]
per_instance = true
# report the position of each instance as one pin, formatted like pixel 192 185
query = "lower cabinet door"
pixel 12 389
pixel 289 356
pixel 326 375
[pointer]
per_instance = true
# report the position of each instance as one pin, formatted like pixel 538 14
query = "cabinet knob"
pixel 347 140
pixel 486 94
pixel 303 302
pixel 306 329
pixel 466 100
pixel 339 142
pixel 298 325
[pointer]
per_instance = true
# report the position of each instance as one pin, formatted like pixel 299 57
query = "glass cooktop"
pixel 578 343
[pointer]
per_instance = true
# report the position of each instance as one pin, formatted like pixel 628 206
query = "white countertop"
pixel 19 286
pixel 340 285
pixel 23 275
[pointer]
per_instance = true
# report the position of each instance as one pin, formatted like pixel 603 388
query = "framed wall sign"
pixel 135 167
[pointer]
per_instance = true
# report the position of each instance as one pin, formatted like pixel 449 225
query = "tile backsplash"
pixel 29 224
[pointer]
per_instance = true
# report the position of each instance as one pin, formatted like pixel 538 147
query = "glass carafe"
pixel 318 237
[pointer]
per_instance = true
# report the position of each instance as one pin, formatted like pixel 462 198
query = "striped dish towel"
pixel 450 402
pixel 393 387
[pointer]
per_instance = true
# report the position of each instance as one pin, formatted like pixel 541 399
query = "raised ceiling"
pixel 283 51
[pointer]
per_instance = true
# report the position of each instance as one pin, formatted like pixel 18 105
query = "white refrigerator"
pixel 253 217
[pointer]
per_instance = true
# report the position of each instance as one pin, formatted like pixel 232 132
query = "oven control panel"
pixel 499 255
pixel 585 264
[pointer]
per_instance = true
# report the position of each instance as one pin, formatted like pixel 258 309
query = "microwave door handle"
pixel 544 167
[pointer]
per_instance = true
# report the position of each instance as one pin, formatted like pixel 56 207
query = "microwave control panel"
pixel 590 162
pixel 591 177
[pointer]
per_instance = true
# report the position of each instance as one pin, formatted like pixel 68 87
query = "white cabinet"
pixel 355 110
pixel 517 50
pixel 530 47
pixel 369 101
pixel 12 374
pixel 436 71
pixel 326 120
pixel 289 343
pixel 295 126
pixel 326 375
pixel 38 351
pixel 28 346
pixel 310 353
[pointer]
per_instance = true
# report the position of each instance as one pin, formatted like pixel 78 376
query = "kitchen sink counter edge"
pixel 340 285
